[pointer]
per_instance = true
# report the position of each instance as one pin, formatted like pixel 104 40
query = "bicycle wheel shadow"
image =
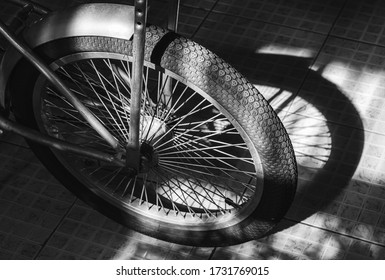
pixel 326 131
pixel 327 134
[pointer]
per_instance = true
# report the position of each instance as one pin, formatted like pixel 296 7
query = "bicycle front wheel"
pixel 217 166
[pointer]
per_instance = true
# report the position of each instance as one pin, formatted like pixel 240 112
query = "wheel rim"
pixel 199 169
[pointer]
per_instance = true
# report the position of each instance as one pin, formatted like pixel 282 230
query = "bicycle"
pixel 146 126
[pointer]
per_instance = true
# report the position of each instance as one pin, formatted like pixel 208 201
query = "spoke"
pixel 175 208
pixel 181 134
pixel 117 75
pixel 91 167
pixel 251 176
pixel 121 137
pixel 238 145
pixel 120 183
pixel 91 141
pixel 168 104
pixel 184 198
pixel 147 99
pixel 160 93
pixel 101 76
pixel 90 103
pixel 108 63
pixel 146 103
pixel 204 166
pixel 218 132
pixel 172 109
pixel 180 120
pixel 133 189
pixel 77 83
pixel 72 122
pixel 195 149
pixel 197 196
pixel 229 177
pixel 208 192
pixel 144 191
pixel 126 187
pixel 195 110
pixel 208 174
pixel 174 166
pixel 189 141
pixel 113 176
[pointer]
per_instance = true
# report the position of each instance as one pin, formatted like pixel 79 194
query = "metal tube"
pixel 55 80
pixel 173 15
pixel 56 143
pixel 133 147
pixel 36 7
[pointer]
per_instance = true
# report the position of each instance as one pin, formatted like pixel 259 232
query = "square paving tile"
pixel 32 202
pixel 275 59
pixel 349 81
pixel 301 14
pixel 86 234
pixel 363 21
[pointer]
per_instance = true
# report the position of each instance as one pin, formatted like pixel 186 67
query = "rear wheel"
pixel 217 166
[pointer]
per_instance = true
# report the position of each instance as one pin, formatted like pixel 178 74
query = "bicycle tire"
pixel 188 63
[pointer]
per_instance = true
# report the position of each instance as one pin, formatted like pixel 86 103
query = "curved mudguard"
pixel 96 19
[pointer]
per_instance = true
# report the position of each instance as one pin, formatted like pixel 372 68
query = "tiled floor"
pixel 321 64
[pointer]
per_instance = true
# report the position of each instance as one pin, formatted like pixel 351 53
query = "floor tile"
pixel 350 202
pixel 355 92
pixel 31 208
pixel 363 21
pixel 275 59
pixel 85 233
pixel 301 14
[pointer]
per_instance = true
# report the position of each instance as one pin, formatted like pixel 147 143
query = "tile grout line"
pixel 336 232
pixel 212 253
pixel 204 19
pixel 14 144
pixel 336 123
pixel 54 229
pixel 270 23
pixel 357 41
pixel 328 35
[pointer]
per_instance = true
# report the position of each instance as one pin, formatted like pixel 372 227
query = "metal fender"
pixel 96 19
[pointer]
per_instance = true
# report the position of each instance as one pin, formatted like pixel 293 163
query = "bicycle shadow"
pixel 326 131
pixel 321 151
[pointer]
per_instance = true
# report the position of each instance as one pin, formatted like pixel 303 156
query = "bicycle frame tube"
pixel 173 15
pixel 57 143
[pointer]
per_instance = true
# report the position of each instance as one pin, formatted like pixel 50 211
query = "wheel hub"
pixel 154 133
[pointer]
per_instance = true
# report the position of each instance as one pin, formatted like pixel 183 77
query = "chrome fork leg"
pixel 133 146
pixel 173 15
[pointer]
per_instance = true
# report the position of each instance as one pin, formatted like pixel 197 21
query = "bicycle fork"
pixel 133 146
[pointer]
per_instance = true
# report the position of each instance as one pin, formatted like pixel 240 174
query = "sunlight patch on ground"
pixel 286 50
